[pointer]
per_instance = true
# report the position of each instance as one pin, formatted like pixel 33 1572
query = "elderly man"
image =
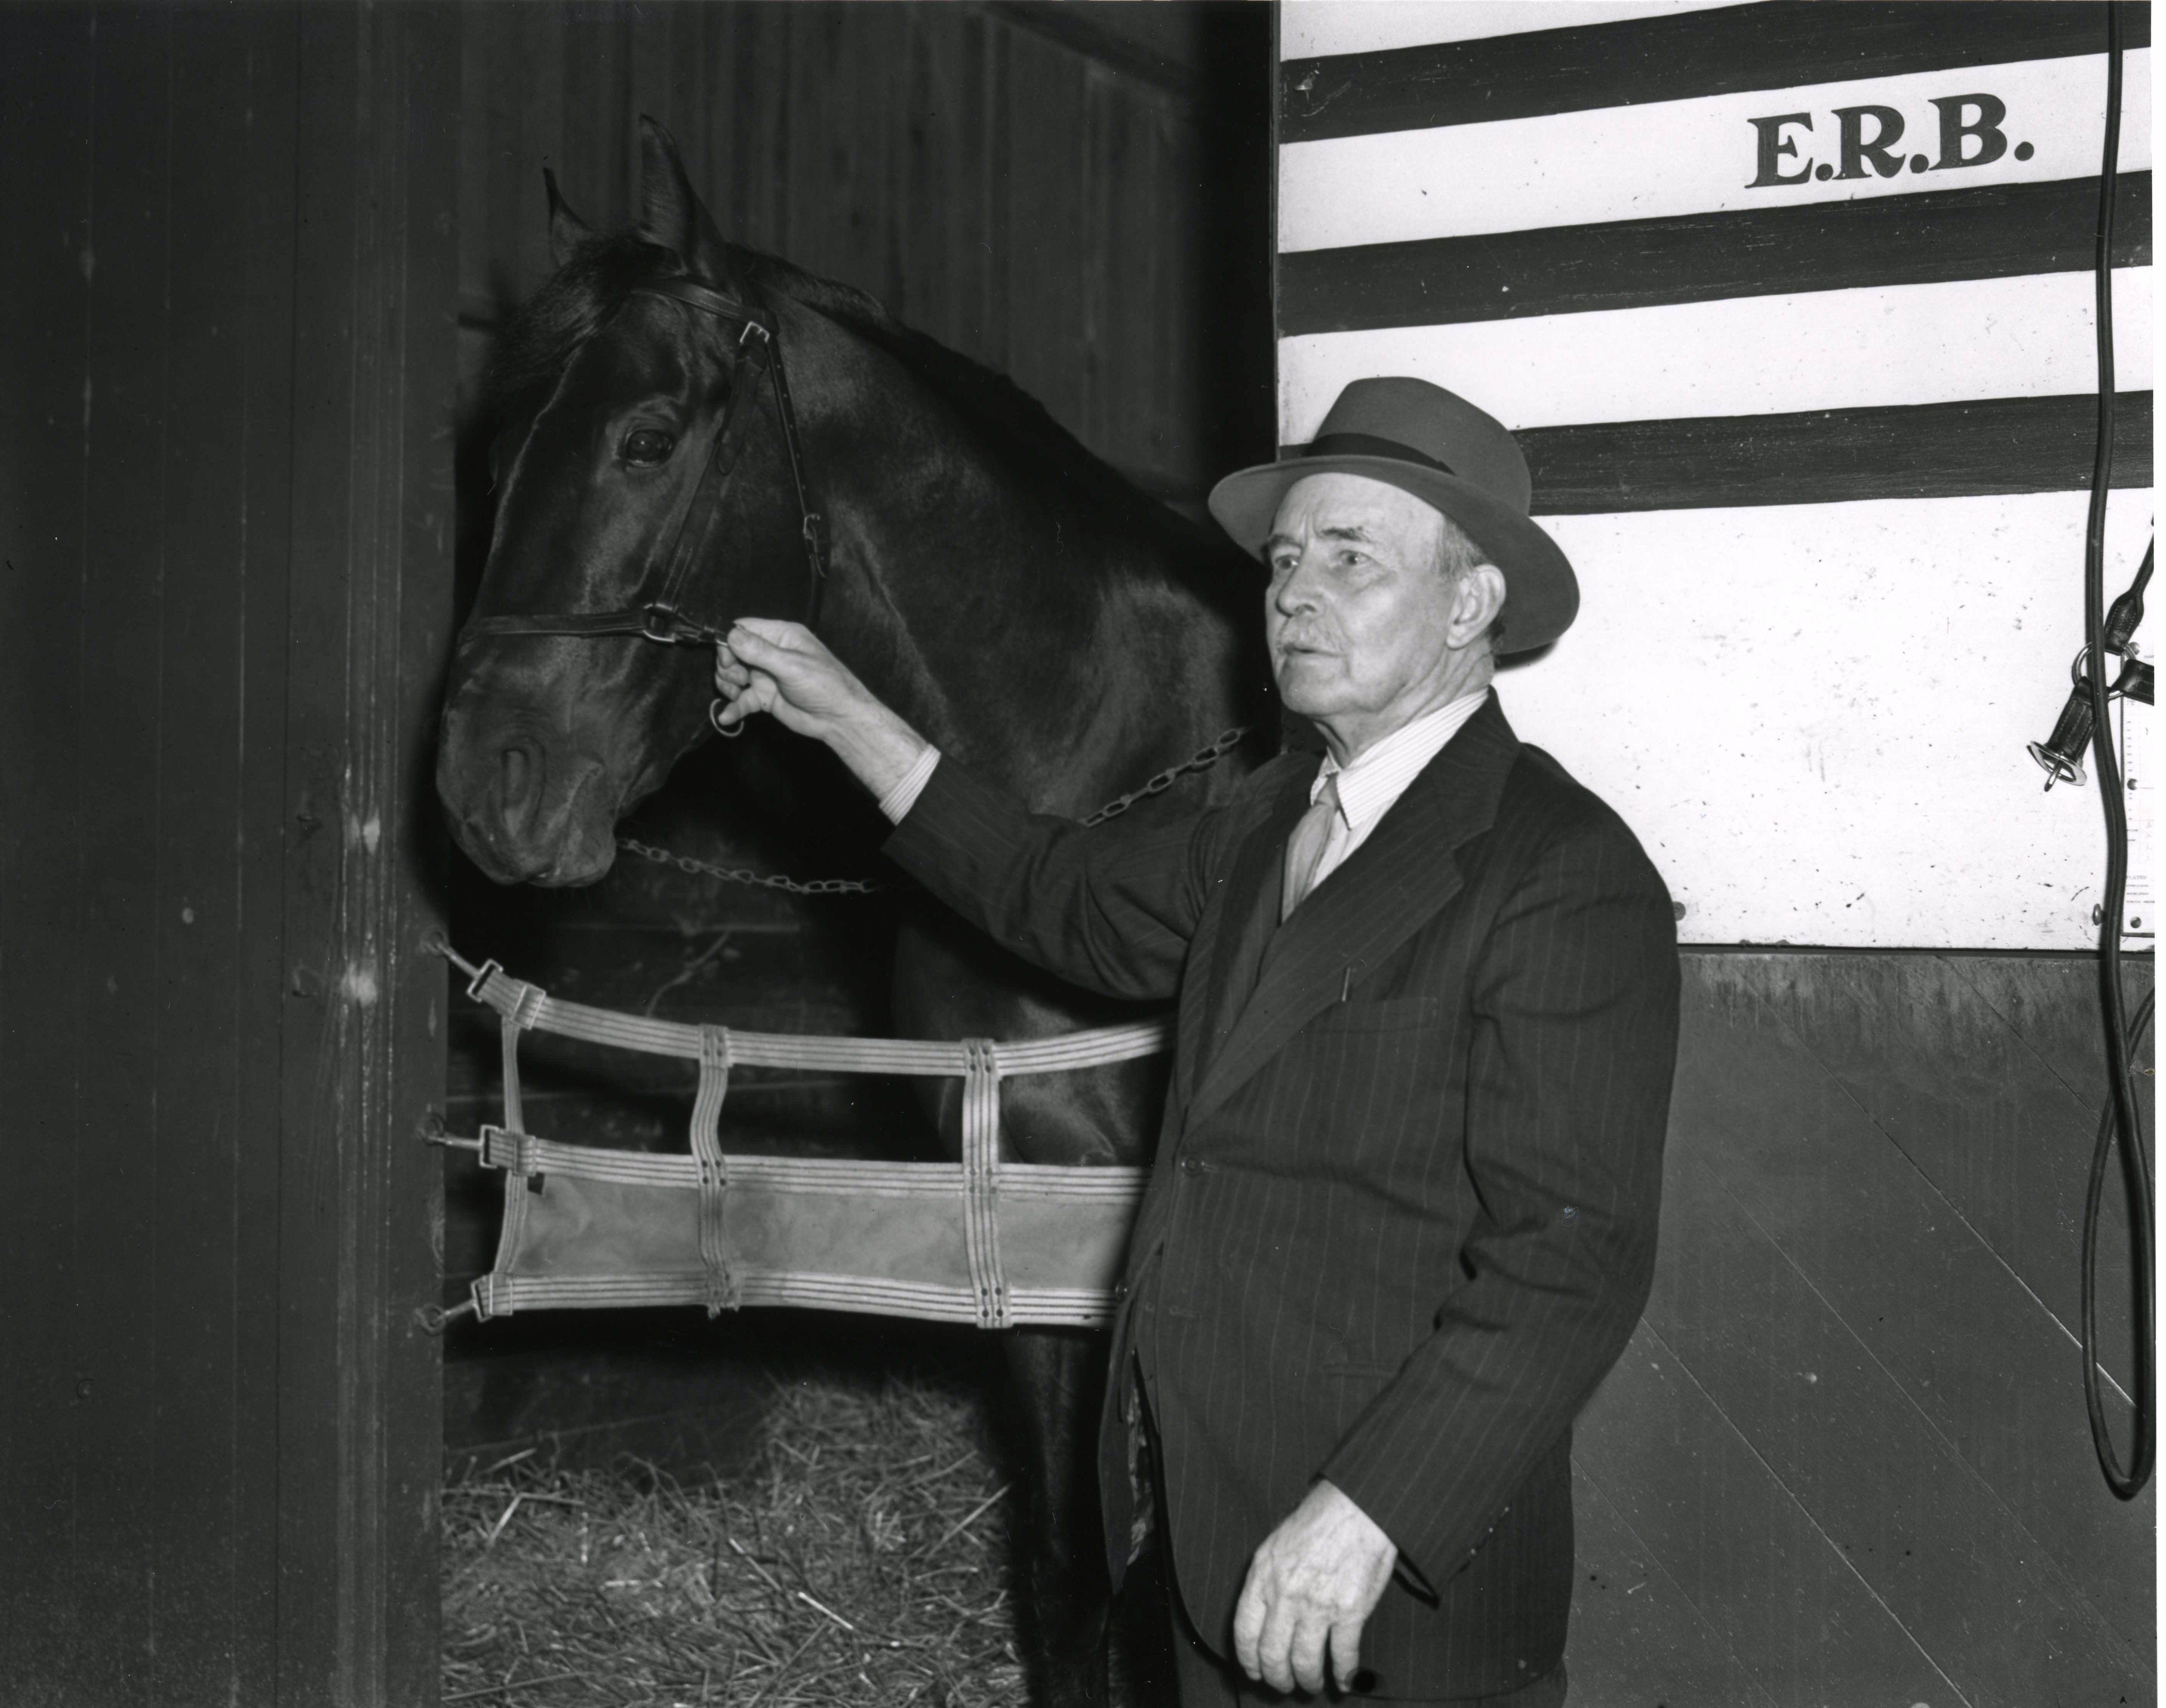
pixel 1402 1215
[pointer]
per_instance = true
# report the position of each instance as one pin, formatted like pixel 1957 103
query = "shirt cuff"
pixel 898 801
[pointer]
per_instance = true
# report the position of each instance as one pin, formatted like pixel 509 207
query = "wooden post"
pixel 375 265
pixel 227 336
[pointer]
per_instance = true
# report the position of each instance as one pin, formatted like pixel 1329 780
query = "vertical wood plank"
pixel 477 63
pixel 535 98
pixel 1047 203
pixel 259 1066
pixel 116 1207
pixel 200 502
pixel 996 148
pixel 47 85
pixel 360 1392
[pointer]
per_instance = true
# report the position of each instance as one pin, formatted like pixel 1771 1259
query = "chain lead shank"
pixel 1202 759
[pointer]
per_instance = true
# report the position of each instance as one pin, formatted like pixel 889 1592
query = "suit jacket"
pixel 1402 1216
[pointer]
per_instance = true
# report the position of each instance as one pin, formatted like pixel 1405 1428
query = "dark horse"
pixel 1031 612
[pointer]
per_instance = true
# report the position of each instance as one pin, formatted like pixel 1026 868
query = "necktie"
pixel 1305 846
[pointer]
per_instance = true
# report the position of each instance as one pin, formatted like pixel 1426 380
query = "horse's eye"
pixel 647 446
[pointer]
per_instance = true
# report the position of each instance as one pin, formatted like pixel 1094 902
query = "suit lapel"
pixel 1392 885
pixel 1226 954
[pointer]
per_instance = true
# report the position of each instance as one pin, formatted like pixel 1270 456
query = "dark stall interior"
pixel 1077 197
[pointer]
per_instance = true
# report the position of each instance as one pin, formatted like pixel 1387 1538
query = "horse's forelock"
pixel 540 337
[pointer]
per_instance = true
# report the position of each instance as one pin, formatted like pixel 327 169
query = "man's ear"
pixel 1477 597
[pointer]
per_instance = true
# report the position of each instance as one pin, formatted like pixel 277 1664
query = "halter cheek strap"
pixel 662 617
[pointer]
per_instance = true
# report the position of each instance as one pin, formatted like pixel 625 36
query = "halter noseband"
pixel 662 617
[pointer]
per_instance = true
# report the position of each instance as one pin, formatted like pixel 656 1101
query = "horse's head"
pixel 644 493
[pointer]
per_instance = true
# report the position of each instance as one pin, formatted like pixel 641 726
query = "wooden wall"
pixel 1070 194
pixel 1076 195
pixel 225 335
pixel 1844 1458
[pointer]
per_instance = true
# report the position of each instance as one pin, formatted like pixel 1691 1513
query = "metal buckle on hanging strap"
pixel 755 328
pixel 488 970
pixel 513 1152
pixel 665 623
pixel 502 1149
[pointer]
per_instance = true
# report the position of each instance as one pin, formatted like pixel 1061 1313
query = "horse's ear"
pixel 567 230
pixel 671 213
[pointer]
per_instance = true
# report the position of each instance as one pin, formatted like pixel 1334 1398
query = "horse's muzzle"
pixel 525 816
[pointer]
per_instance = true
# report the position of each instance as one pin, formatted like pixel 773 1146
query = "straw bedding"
pixel 858 1558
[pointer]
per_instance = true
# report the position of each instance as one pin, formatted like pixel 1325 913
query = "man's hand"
pixel 765 665
pixel 1318 1575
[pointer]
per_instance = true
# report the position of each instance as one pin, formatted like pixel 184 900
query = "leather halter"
pixel 662 617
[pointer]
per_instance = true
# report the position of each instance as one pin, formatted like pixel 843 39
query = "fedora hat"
pixel 1425 441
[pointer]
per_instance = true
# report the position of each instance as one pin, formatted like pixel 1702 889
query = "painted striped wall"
pixel 1791 306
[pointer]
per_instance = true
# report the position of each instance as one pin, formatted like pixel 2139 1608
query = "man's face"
pixel 1358 614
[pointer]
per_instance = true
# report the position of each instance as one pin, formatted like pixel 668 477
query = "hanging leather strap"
pixel 981 1181
pixel 721 1286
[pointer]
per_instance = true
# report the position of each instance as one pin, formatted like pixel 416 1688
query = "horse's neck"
pixel 1065 655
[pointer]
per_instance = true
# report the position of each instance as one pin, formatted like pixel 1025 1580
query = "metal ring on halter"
pixel 727 731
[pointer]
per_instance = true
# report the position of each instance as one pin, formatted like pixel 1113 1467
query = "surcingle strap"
pixel 714 1172
pixel 981 1176
pixel 519 1184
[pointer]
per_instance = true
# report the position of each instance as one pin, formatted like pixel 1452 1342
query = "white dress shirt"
pixel 1374 782
pixel 898 801
pixel 1366 788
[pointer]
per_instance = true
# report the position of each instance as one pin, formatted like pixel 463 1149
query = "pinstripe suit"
pixel 1402 1215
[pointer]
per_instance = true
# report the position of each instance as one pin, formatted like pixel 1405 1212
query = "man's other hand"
pixel 766 665
pixel 1317 1577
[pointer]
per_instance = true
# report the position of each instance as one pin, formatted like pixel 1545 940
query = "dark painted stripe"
pixel 1994 231
pixel 1822 456
pixel 1783 45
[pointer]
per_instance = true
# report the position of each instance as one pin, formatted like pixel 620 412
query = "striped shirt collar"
pixel 1368 787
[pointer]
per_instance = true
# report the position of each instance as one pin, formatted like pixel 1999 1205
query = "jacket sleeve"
pixel 1575 1006
pixel 1110 907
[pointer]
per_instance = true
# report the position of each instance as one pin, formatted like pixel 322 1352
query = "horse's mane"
pixel 539 338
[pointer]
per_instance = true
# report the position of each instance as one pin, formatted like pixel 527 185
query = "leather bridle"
pixel 664 618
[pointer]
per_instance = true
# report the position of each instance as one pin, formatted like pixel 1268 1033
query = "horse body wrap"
pixel 981 1242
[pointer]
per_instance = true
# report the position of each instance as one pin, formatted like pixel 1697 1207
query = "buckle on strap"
pixel 663 622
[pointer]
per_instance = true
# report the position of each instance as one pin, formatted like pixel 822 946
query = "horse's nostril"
pixel 520 777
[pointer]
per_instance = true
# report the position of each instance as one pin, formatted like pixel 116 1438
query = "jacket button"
pixel 1191 1165
pixel 1120 1292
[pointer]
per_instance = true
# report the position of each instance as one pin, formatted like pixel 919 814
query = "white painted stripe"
pixel 1310 27
pixel 1815 717
pixel 1675 157
pixel 1747 356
